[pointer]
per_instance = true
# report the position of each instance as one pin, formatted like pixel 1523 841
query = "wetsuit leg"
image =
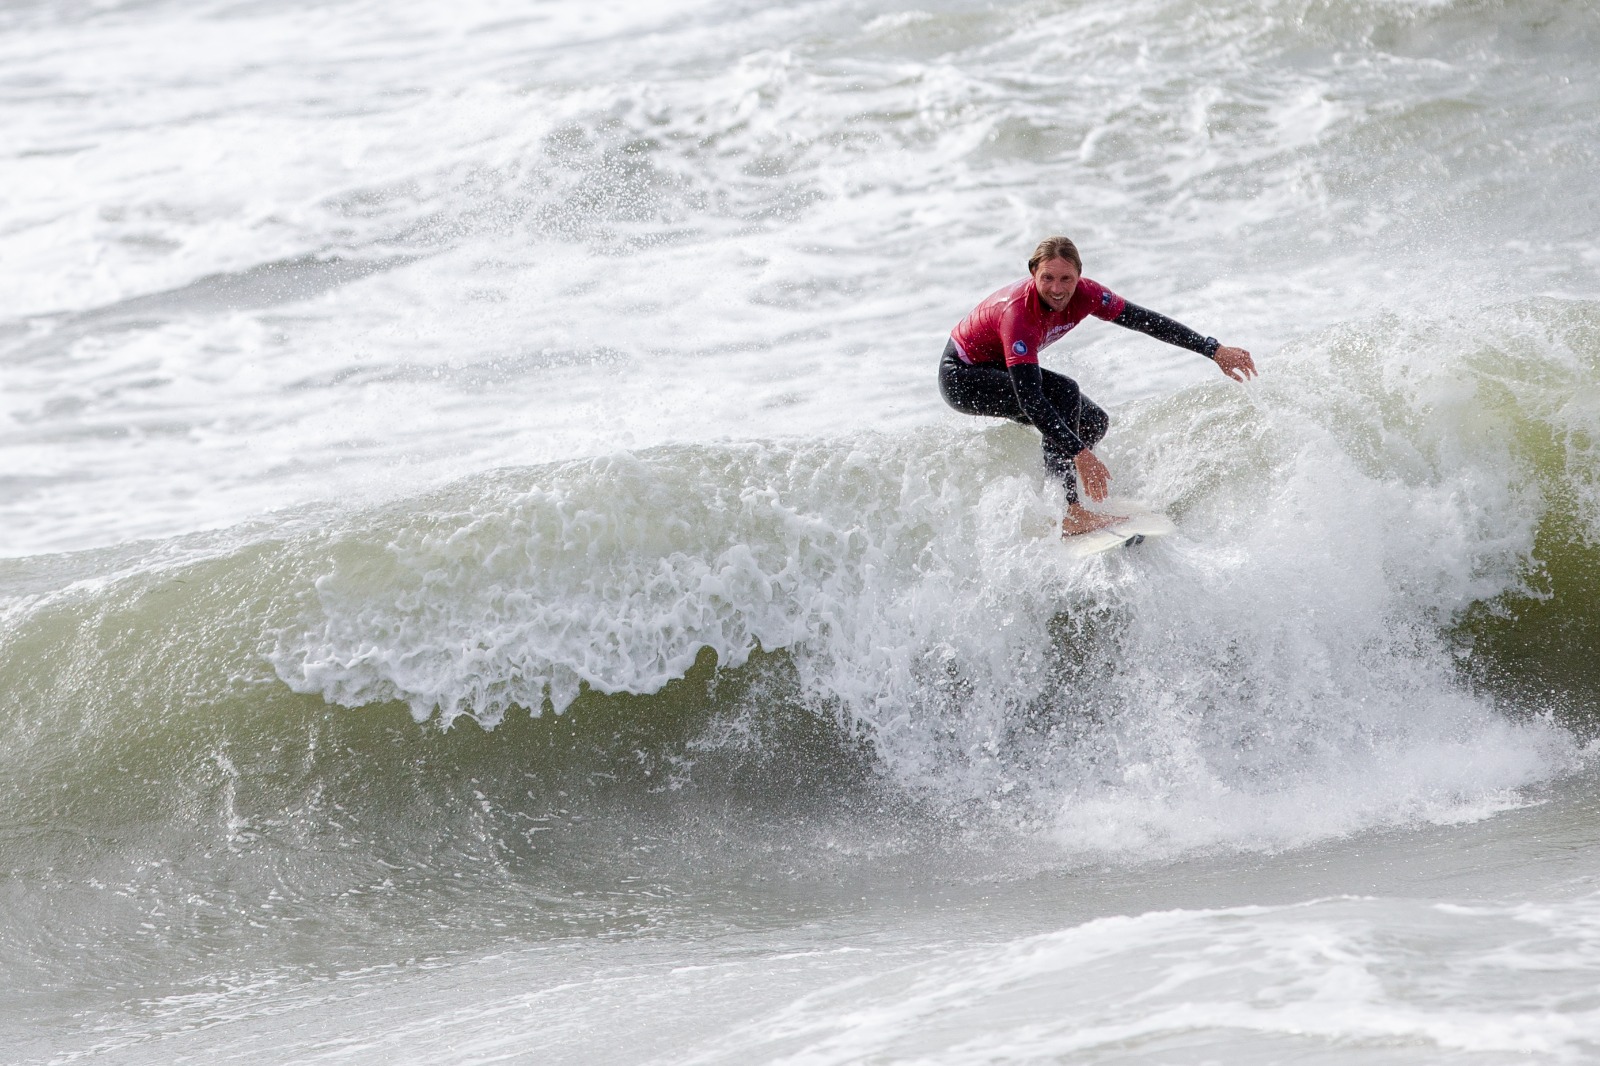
pixel 985 389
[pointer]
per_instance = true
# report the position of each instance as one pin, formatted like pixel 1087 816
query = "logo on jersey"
pixel 1020 347
pixel 1105 298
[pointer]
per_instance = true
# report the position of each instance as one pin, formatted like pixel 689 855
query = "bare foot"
pixel 1082 520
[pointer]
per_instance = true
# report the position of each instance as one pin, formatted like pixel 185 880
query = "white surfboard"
pixel 1138 523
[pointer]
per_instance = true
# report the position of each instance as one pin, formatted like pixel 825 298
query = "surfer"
pixel 991 366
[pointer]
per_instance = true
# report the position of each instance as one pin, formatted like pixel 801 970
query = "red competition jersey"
pixel 1012 324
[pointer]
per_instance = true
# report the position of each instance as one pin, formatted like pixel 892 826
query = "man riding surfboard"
pixel 991 366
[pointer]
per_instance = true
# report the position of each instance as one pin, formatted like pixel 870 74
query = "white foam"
pixel 1329 977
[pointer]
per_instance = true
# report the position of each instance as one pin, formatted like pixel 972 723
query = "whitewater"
pixel 486 573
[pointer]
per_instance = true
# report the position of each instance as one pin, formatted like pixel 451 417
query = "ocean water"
pixel 486 574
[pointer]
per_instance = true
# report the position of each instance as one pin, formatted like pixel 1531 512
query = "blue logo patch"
pixel 1105 299
pixel 1020 347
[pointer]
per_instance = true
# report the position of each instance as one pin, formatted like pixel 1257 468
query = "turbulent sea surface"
pixel 486 574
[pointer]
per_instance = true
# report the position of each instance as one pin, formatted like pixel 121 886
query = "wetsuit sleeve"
pixel 1163 328
pixel 1028 381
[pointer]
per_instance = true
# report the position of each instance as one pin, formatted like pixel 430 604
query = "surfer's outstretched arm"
pixel 1234 362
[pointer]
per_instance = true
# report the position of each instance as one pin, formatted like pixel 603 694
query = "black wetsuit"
pixel 1051 402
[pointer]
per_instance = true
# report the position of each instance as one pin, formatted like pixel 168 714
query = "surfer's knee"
pixel 1062 392
pixel 1092 422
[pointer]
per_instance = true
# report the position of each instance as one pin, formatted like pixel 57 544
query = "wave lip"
pixel 616 573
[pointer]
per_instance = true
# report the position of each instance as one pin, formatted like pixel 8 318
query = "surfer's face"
pixel 1055 280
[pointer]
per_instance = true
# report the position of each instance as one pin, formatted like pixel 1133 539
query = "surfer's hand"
pixel 1093 473
pixel 1235 362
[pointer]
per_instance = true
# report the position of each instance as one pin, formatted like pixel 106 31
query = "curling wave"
pixel 1365 537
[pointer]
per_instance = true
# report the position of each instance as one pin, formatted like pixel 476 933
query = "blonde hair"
pixel 1055 248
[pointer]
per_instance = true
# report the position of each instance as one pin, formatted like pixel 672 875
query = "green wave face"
pixel 1536 642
